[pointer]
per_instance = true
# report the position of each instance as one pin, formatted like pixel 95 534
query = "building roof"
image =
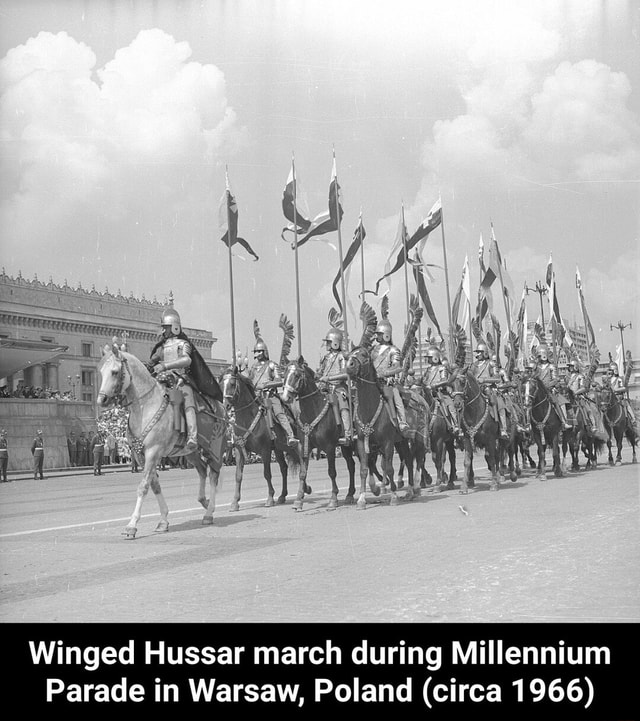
pixel 18 353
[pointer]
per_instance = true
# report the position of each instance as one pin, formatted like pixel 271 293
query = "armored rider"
pixel 332 379
pixel 266 377
pixel 488 377
pixel 173 354
pixel 618 386
pixel 546 372
pixel 437 380
pixel 578 389
pixel 388 366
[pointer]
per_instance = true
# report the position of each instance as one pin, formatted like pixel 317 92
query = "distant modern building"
pixel 52 336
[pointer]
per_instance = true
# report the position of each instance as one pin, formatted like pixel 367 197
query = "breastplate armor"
pixel 175 349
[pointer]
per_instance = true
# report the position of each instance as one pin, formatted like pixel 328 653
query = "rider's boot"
pixel 192 428
pixel 284 422
pixel 565 420
pixel 346 425
pixel 502 415
pixel 403 426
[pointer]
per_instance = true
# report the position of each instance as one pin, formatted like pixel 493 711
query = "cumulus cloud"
pixel 137 136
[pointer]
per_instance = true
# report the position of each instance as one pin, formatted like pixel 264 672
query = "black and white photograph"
pixel 322 314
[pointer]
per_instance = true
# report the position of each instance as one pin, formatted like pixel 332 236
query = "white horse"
pixel 152 433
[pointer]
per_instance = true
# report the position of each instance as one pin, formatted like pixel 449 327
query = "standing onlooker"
pixel 4 455
pixel 83 450
pixel 110 448
pixel 71 446
pixel 37 451
pixel 97 447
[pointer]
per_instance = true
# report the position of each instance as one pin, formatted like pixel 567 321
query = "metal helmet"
pixel 384 328
pixel 334 337
pixel 574 363
pixel 482 348
pixel 614 367
pixel 261 346
pixel 542 353
pixel 171 319
pixel 433 353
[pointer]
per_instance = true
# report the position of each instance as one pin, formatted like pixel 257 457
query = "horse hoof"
pixel 333 504
pixel 494 487
pixel 361 506
pixel 129 533
pixel 297 505
pixel 207 521
pixel 349 500
pixel 463 492
pixel 269 503
pixel 162 527
pixel 400 483
pixel 307 489
pixel 204 502
pixel 234 506
pixel 393 501
pixel 281 500
pixel 375 489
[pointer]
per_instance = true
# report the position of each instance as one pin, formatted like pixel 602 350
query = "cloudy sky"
pixel 118 119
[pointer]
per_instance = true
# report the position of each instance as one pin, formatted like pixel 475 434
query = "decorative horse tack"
pixel 367 428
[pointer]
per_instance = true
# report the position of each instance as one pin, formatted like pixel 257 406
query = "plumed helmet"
pixel 433 353
pixel 384 327
pixel 171 318
pixel 261 346
pixel 574 363
pixel 614 367
pixel 542 353
pixel 334 336
pixel 482 348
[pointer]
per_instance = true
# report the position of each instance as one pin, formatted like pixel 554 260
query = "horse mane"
pixel 369 320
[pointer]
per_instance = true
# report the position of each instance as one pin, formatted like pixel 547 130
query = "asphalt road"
pixel 564 550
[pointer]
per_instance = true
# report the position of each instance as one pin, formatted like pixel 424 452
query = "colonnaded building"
pixel 51 341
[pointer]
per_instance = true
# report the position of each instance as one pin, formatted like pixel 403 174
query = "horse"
pixel 617 425
pixel 374 429
pixel 152 433
pixel 482 430
pixel 581 438
pixel 546 425
pixel 251 434
pixel 442 442
pixel 316 427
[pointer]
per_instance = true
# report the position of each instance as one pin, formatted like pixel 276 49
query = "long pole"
pixel 295 233
pixel 584 315
pixel 621 327
pixel 504 299
pixel 361 258
pixel 233 319
pixel 446 278
pixel 342 285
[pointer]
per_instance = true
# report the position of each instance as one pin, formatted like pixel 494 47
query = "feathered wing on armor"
pixel 591 370
pixel 477 332
pixel 256 331
pixel 512 351
pixel 629 368
pixel 384 307
pixel 370 321
pixel 539 333
pixel 498 334
pixel 410 345
pixel 286 326
pixel 460 346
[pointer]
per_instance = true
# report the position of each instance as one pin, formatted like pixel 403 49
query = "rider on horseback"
pixel 507 391
pixel 387 362
pixel 437 380
pixel 578 389
pixel 618 386
pixel 266 377
pixel 331 379
pixel 488 378
pixel 547 374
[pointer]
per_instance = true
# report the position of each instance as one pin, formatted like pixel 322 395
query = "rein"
pixel 308 428
pixel 472 430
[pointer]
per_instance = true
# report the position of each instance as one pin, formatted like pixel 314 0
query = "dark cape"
pixel 199 371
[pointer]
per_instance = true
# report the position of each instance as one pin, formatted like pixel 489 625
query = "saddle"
pixel 211 425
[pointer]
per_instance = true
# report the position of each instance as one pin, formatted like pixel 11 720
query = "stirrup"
pixel 292 441
pixel 192 444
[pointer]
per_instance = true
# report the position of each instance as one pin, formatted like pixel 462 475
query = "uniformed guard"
pixel 174 354
pixel 266 378
pixel 97 447
pixel 620 389
pixel 331 379
pixel 437 380
pixel 388 366
pixel 37 451
pixel 578 389
pixel 488 377
pixel 4 455
pixel 546 372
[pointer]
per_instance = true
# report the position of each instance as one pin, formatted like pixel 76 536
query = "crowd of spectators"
pixel 36 392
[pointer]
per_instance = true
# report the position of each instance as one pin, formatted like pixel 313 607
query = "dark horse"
pixel 316 427
pixel 481 430
pixel 375 432
pixel 617 424
pixel 442 442
pixel 581 437
pixel 546 425
pixel 251 433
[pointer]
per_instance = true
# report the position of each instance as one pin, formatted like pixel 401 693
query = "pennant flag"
pixel 463 295
pixel 325 222
pixel 591 337
pixel 485 296
pixel 429 224
pixel 507 287
pixel 558 327
pixel 422 291
pixel 521 328
pixel 355 246
pixel 619 361
pixel 228 220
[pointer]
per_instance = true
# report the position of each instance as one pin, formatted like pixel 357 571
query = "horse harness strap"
pixel 137 443
pixel 367 428
pixel 307 428
pixel 242 440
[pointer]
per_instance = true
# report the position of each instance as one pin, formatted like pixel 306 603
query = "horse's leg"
pixel 609 446
pixel 364 474
pixel 331 470
pixel 453 475
pixel 149 479
pixel 387 464
pixel 542 473
pixel 206 471
pixel 557 464
pixel 284 474
pixel 619 441
pixel 237 491
pixel 468 466
pixel 412 455
pixel 351 466
pixel 401 473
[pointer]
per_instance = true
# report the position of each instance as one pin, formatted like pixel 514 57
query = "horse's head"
pixel 358 364
pixel 115 380
pixel 459 382
pixel 296 379
pixel 530 389
pixel 606 397
pixel 229 384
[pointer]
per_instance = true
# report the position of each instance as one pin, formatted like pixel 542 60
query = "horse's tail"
pixel 631 434
pixel 293 465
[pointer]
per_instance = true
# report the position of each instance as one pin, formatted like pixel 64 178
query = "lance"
pixel 295 246
pixel 446 277
pixel 233 322
pixel 361 259
pixel 507 312
pixel 342 285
